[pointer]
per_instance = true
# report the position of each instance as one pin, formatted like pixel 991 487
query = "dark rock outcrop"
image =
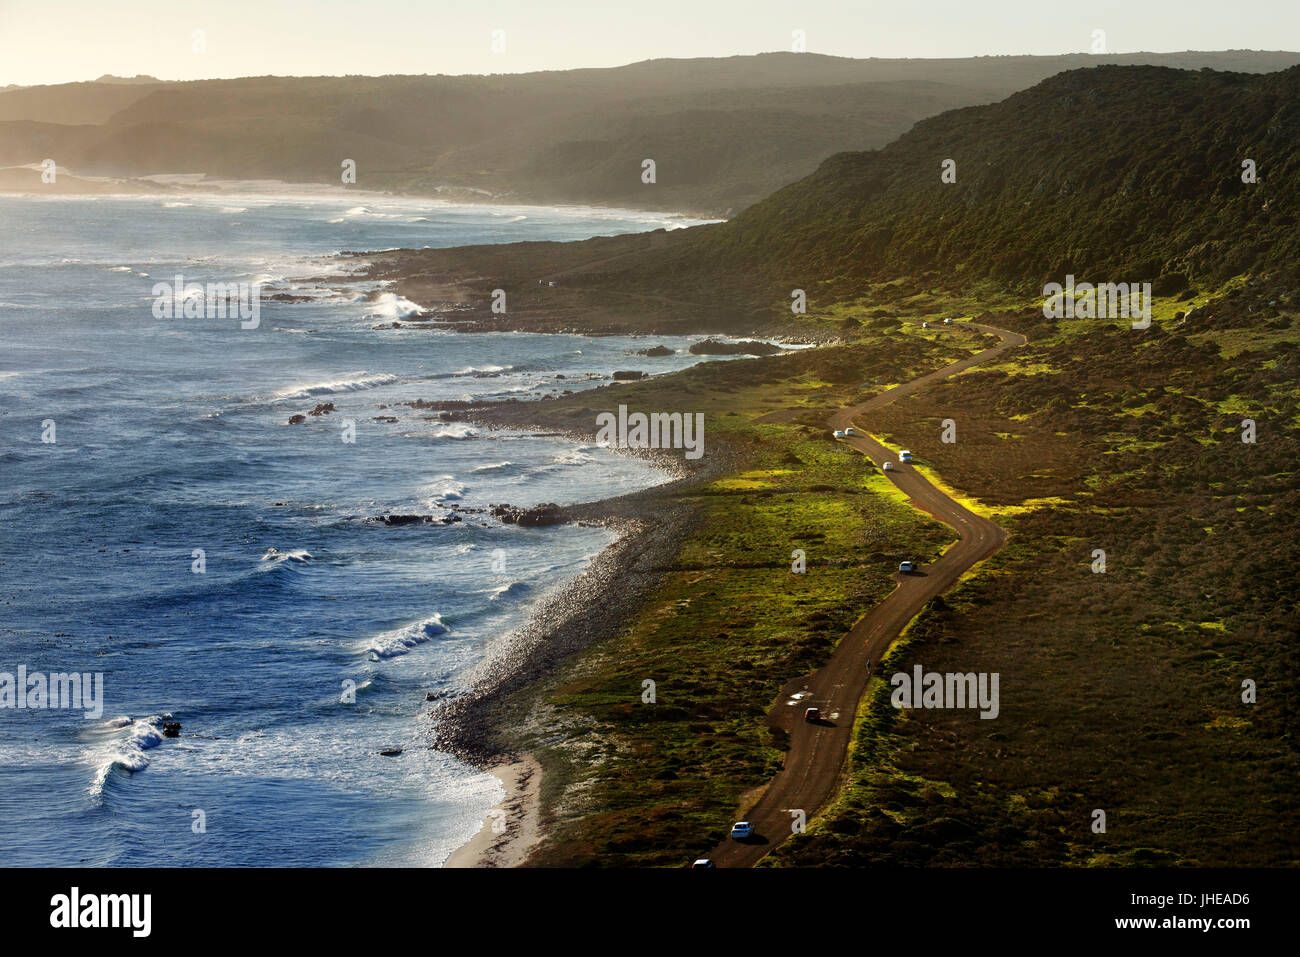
pixel 417 519
pixel 546 514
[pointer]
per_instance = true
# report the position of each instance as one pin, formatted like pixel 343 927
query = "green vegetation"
pixel 635 783
pixel 1120 691
pixel 1029 207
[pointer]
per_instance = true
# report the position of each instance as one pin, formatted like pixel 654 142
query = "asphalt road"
pixel 811 772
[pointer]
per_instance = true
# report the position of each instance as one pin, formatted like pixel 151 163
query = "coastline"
pixel 24 179
pixel 495 723
pixel 513 827
pixel 650 523
pixel 483 725
pixel 565 288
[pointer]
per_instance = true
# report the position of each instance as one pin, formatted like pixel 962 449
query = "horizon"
pixel 201 42
pixel 146 77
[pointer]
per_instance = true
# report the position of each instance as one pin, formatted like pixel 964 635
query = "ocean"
pixel 162 525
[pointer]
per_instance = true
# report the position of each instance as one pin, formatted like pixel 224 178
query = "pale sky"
pixel 64 40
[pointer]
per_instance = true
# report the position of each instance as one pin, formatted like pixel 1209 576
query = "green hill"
pixel 1115 174
pixel 1122 173
pixel 724 133
pixel 1169 452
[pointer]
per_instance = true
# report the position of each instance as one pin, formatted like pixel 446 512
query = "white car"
pixel 742 830
pixel 839 433
pixel 947 322
pixel 925 325
pixel 906 567
pixel 850 431
pixel 888 466
pixel 904 456
pixel 703 862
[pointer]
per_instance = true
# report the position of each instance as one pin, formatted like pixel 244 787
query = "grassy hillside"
pixel 1121 690
pixel 1119 174
pixel 724 132
pixel 1113 174
pixel 629 783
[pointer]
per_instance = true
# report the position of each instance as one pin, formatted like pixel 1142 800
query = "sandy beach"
pixel 512 828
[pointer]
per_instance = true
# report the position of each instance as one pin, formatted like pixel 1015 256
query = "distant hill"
pixel 724 133
pixel 1125 173
pixel 138 78
pixel 1116 174
pixel 71 104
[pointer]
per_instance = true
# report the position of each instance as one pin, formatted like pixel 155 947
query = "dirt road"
pixel 812 766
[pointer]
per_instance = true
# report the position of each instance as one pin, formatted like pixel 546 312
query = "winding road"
pixel 811 772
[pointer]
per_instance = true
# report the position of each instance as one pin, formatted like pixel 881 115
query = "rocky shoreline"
pixel 651 525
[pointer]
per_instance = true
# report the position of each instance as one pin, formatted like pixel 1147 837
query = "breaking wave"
pixel 351 382
pixel 389 305
pixel 127 751
pixel 391 644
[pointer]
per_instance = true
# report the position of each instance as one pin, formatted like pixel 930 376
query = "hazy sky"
pixel 62 40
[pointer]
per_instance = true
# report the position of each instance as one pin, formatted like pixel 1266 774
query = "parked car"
pixel 703 862
pixel 925 325
pixel 906 567
pixel 850 431
pixel 888 466
pixel 812 715
pixel 742 830
pixel 905 456
pixel 839 433
pixel 947 322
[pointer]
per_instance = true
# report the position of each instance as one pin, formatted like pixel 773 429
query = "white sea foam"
pixel 576 456
pixel 389 305
pixel 495 467
pixel 399 641
pixel 275 556
pixel 125 745
pixel 349 382
pixel 446 488
pixel 454 430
